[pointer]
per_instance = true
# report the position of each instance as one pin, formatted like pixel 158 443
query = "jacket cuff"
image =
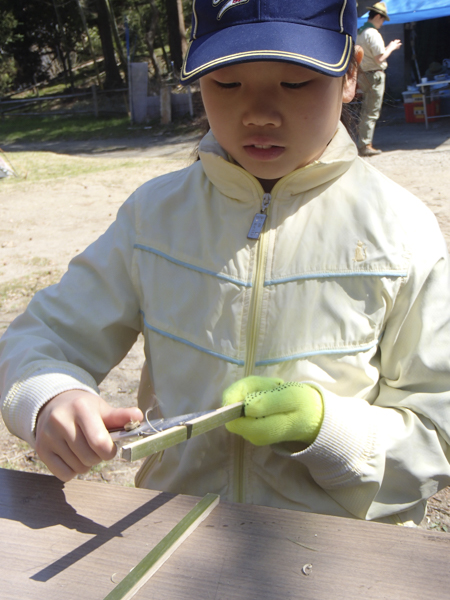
pixel 24 400
pixel 344 450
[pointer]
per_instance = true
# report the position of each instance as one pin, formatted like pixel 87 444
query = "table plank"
pixel 71 541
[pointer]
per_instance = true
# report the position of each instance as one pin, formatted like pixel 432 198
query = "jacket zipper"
pixel 259 219
pixel 257 287
pixel 256 232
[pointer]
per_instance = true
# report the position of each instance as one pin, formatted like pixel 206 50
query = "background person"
pixel 372 79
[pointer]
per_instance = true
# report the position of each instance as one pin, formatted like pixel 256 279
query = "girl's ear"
pixel 351 78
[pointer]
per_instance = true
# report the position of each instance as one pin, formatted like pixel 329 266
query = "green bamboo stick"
pixel 180 433
pixel 142 572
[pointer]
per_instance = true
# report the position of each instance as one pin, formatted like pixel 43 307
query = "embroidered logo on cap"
pixel 227 6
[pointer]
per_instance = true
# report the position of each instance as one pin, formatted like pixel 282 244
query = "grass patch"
pixel 48 129
pixel 16 294
pixel 48 90
pixel 48 166
pixel 40 261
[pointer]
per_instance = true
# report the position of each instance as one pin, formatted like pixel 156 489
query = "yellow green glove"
pixel 275 411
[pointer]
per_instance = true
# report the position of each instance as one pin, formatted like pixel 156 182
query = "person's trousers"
pixel 371 83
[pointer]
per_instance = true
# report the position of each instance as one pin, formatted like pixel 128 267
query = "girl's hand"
pixel 72 432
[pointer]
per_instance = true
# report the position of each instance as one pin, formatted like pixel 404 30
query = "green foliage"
pixel 8 70
pixel 8 24
pixel 41 38
pixel 38 32
pixel 139 15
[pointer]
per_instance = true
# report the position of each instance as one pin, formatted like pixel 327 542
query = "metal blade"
pixel 147 428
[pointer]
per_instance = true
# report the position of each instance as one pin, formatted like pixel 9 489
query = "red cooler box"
pixel 414 111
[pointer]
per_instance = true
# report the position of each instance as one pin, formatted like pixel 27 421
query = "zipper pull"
pixel 259 219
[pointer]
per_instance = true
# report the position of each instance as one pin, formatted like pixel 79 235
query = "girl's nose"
pixel 261 112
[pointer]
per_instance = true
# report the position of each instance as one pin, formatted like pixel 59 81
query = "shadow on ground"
pixel 394 133
pixel 161 144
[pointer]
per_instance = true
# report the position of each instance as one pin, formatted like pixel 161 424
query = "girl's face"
pixel 273 117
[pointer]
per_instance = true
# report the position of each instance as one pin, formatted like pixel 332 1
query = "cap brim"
pixel 322 50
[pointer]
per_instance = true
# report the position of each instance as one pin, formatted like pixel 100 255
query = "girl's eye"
pixel 294 86
pixel 228 86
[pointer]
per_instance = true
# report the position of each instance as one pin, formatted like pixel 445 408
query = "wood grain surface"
pixel 78 540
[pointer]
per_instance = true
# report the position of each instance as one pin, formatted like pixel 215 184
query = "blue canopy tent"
pixel 408 11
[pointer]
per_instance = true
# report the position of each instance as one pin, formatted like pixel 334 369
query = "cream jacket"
pixel 347 289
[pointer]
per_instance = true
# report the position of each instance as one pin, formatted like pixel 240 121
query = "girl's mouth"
pixel 263 151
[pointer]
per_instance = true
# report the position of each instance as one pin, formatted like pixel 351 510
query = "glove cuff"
pixel 313 413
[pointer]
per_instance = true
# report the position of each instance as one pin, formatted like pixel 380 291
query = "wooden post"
pixel 166 108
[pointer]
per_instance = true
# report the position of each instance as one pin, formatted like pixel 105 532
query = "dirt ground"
pixel 44 224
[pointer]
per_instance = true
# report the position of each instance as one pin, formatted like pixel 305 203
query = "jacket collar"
pixel 235 182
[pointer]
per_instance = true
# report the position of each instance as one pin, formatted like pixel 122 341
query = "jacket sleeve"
pixel 73 333
pixel 387 455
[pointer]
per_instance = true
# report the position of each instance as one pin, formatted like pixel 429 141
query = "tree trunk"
pixel 150 41
pixel 177 32
pixel 182 25
pixel 150 36
pixel 91 49
pixel 113 78
pixel 66 55
pixel 116 37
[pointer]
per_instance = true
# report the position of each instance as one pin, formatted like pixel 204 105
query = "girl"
pixel 281 267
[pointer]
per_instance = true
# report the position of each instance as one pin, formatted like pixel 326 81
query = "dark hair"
pixel 374 13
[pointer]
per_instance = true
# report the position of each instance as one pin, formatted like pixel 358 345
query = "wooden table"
pixel 72 541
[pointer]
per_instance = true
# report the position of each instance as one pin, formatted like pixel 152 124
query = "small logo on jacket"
pixel 227 6
pixel 360 252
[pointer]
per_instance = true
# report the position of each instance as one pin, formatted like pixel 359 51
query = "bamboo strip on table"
pixel 142 572
pixel 175 435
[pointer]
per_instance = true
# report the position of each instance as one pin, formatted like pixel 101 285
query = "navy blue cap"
pixel 316 34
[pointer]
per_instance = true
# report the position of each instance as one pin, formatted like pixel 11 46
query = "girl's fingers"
pixel 62 462
pixel 62 443
pixel 59 468
pixel 94 430
pixel 72 432
pixel 93 440
pixel 85 449
pixel 116 418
